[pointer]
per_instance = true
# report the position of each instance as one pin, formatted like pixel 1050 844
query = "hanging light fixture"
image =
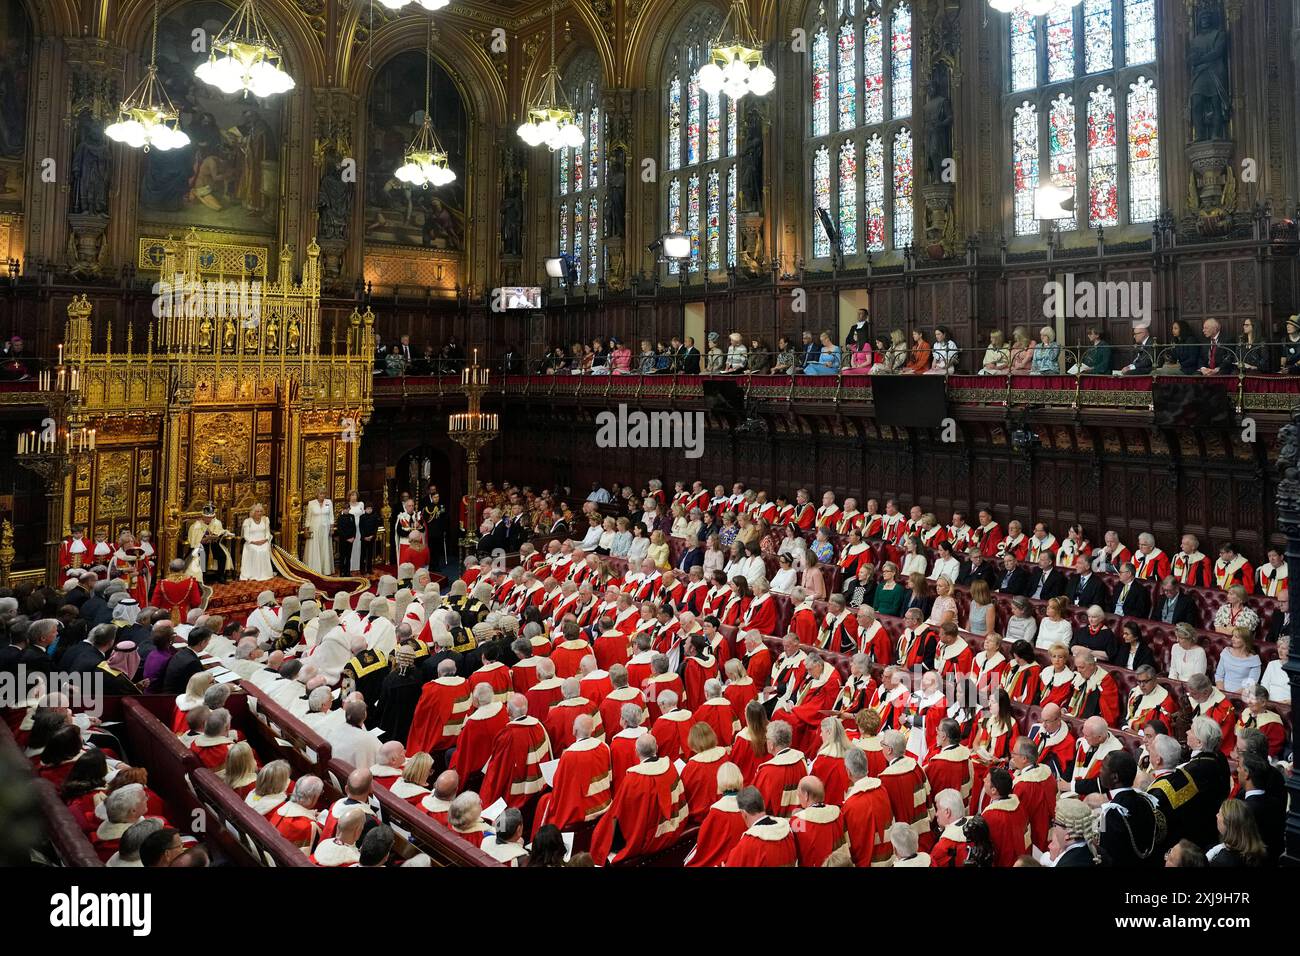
pixel 245 58
pixel 735 64
pixel 425 161
pixel 430 5
pixel 550 120
pixel 1034 8
pixel 147 117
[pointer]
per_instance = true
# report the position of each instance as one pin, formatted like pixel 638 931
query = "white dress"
pixel 318 553
pixel 356 510
pixel 255 562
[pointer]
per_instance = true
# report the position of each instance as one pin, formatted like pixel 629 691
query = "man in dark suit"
pixel 1269 811
pixel 78 595
pixel 1086 588
pixel 976 569
pixel 688 358
pixel 1173 606
pixel 1047 582
pixel 1144 352
pixel 27 646
pixel 87 655
pixel 1013 579
pixel 1216 354
pixel 368 525
pixel 691 557
pixel 185 663
pixel 512 362
pixel 810 352
pixel 1130 597
pixel 95 609
pixel 1127 822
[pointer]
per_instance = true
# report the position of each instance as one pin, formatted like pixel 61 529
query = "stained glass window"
pixel 1103 174
pixel 578 170
pixel 860 166
pixel 713 132
pixel 579 223
pixel 1143 152
pixel 593 239
pixel 845 77
pixel 593 150
pixel 693 218
pixel 674 214
pixel 848 198
pixel 1100 121
pixel 821 178
pixel 693 122
pixel 731 216
pixel 901 60
pixel 1024 167
pixel 873 193
pixel 1098 43
pixel 1139 31
pixel 1060 45
pixel 700 200
pixel 713 226
pixel 902 188
pixel 1062 149
pixel 873 70
pixel 821 83
pixel 1024 51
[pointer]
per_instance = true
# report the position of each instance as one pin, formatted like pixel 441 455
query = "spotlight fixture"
pixel 561 267
pixel 147 117
pixel 244 57
pixel 735 64
pixel 676 245
pixel 1053 202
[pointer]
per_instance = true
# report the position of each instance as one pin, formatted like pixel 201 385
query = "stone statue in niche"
pixel 938 124
pixel 616 194
pixel 751 162
pixel 334 199
pixel 92 168
pixel 1207 57
pixel 512 212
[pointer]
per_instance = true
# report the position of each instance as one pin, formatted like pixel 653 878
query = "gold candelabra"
pixel 53 453
pixel 472 430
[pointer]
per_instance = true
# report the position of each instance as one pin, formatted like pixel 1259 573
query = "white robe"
pixel 255 561
pixel 332 655
pixel 318 553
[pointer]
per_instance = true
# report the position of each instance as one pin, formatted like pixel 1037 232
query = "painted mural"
pixel 15 64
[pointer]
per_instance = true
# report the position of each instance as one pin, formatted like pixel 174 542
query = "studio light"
pixel 677 245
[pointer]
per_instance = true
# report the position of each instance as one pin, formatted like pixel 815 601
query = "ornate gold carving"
pixel 113 473
pixel 262 464
pixel 220 444
pixel 216 256
pixel 316 466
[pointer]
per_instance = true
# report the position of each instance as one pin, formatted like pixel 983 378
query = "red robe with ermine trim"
pixel 177 594
pixel 296 824
pixel 700 778
pixel 581 788
pixel 830 770
pixel 769 842
pixel 778 781
pixel 443 706
pixel 559 721
pixel 671 730
pixel 1036 788
pixel 818 832
pixel 697 672
pixel 721 830
pixel 1008 829
pixel 647 815
pixel 868 816
pixel 949 768
pixel 813 699
pixel 744 756
pixel 719 714
pixel 909 793
pixel 514 771
pixel 477 734
pixel 496 675
pixel 739 694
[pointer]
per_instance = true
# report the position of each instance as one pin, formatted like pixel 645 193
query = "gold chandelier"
pixel 425 161
pixel 736 64
pixel 147 117
pixel 244 57
pixel 550 119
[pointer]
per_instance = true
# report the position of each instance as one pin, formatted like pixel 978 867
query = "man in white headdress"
pixel 266 618
pixel 333 649
pixel 318 554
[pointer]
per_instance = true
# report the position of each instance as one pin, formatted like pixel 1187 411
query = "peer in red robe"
pixel 496 675
pixel 818 832
pixel 1056 748
pixel 611 708
pixel 805 623
pixel 296 823
pixel 177 594
pixel 514 771
pixel 477 735
pixel 814 701
pixel 595 686
pixel 761 615
pixel 610 648
pixel 767 842
pixel 1035 786
pixel 581 789
pixel 568 655
pixel 524 674
pixel 721 830
pixel 778 781
pixel 739 692
pixel 1008 828
pixel 648 814
pixel 746 757
pixel 828 767
pixel 542 695
pixel 909 793
pixel 701 666
pixel 670 729
pixel 950 849
pixel 700 778
pixel 948 767
pixel 758 664
pixel 443 706
pixel 719 714
pixel 559 721
pixel 868 816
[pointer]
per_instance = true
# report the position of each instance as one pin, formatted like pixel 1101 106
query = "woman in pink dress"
pixel 860 359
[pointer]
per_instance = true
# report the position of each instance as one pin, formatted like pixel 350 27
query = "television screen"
pixel 519 297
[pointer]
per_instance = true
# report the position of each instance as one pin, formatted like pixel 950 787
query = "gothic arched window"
pixel 579 172
pixel 700 149
pixel 1082 113
pixel 859 140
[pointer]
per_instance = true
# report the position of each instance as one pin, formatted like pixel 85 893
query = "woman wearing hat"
pixel 1291 346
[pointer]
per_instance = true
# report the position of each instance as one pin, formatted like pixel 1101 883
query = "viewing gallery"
pixel 647 434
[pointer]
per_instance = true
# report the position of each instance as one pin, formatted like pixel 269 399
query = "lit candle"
pixel 60 353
